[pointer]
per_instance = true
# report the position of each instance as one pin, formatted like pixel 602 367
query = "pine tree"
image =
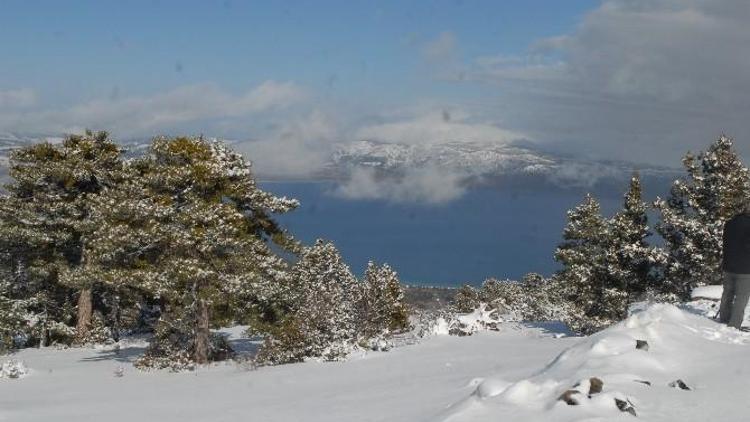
pixel 586 259
pixel 191 229
pixel 397 310
pixel 636 265
pixel 466 299
pixel 544 298
pixel 20 248
pixel 47 212
pixel 12 316
pixel 716 188
pixel 382 302
pixel 321 319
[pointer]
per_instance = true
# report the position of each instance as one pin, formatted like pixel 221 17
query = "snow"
pixel 707 292
pixel 482 318
pixel 13 369
pixel 515 374
pixel 480 158
pixel 709 357
pixel 409 383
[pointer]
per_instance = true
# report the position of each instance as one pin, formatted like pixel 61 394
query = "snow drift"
pixel 663 364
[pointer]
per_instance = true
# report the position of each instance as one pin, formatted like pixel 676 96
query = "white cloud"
pixel 297 148
pixel 166 111
pixel 426 185
pixel 638 80
pixel 437 127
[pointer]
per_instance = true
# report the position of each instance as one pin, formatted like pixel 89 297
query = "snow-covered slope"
pixel 692 369
pixel 510 375
pixel 484 159
pixel 408 384
pixel 472 156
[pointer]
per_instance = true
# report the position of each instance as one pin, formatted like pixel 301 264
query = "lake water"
pixel 489 232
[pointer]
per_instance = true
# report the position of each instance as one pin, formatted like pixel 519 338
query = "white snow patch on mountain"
pixel 472 157
pixel 462 163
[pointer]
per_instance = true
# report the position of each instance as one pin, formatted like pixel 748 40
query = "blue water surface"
pixel 488 232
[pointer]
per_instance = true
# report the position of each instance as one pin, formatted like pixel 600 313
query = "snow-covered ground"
pixel 410 383
pixel 516 374
pixel 684 348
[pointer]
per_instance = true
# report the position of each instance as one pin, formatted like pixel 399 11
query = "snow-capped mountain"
pixel 473 160
pixel 485 160
pixel 476 158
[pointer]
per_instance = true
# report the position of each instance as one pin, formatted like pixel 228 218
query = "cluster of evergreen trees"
pixel 175 242
pixel 607 263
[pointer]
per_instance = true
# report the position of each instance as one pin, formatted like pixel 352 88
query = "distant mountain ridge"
pixel 471 156
pixel 474 160
pixel 487 160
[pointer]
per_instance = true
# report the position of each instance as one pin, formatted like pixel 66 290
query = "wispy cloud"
pixel 298 147
pixel 643 81
pixel 430 185
pixel 443 48
pixel 165 111
pixel 17 99
pixel 437 126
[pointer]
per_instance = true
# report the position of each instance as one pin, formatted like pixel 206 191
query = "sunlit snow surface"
pixel 512 375
pixel 409 383
pixel 712 360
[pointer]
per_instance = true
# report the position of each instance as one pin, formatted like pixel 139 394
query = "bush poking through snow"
pixel 13 369
pixel 482 318
pixel 534 298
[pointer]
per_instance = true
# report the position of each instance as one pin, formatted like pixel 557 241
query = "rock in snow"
pixel 641 345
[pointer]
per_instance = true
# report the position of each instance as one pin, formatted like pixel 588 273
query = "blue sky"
pixel 639 80
pixel 69 51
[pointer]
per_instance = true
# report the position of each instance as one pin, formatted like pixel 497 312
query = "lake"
pixel 489 232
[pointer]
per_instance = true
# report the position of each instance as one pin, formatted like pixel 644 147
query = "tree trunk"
pixel 115 315
pixel 202 333
pixel 85 310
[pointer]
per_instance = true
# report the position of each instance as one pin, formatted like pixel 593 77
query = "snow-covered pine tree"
pixel 398 312
pixel 544 298
pixel 716 188
pixel 20 246
pixel 382 302
pixel 506 296
pixel 321 319
pixel 48 208
pixel 466 299
pixel 12 316
pixel 637 264
pixel 190 228
pixel 587 264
